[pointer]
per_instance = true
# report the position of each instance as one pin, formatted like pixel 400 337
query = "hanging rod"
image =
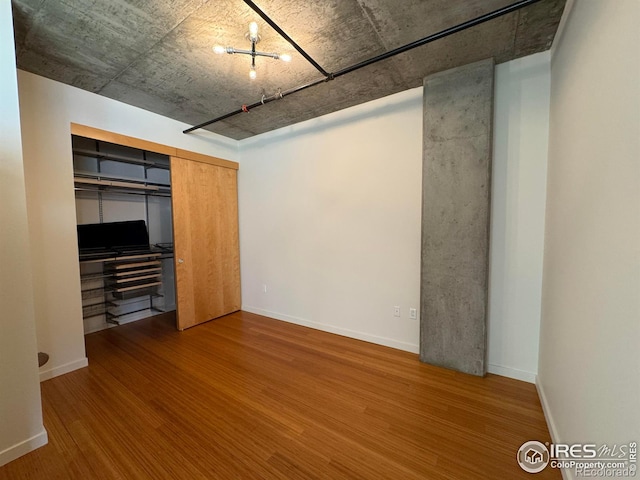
pixel 418 43
pixel 121 178
pixel 116 191
pixel 120 158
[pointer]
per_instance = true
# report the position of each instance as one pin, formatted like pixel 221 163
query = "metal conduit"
pixel 330 76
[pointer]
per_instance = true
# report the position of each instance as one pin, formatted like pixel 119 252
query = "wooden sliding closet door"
pixel 206 246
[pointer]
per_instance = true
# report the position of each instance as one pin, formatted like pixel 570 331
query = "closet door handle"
pixel 180 260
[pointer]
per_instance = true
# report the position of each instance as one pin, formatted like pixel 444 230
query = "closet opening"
pixel 125 233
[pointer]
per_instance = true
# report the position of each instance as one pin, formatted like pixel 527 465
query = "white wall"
pixel 329 214
pixel 589 373
pixel 330 221
pixel 521 131
pixel 47 109
pixel 21 428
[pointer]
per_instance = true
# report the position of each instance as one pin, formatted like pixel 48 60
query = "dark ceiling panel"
pixel 537 27
pixel 183 69
pixel 157 54
pixel 492 39
pixel 325 98
pixel 336 33
pixel 404 21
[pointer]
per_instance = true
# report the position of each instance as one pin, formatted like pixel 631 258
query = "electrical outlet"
pixel 413 313
pixel 396 311
pixel 264 288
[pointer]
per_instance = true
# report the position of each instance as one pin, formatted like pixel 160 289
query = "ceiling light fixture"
pixel 333 75
pixel 254 38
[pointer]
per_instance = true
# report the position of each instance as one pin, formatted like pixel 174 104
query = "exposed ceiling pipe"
pixel 330 76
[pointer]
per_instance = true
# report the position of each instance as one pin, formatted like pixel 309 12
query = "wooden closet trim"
pixel 127 141
pixel 199 157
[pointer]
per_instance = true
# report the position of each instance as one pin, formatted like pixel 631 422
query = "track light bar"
pixel 230 50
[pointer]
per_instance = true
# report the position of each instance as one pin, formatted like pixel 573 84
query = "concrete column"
pixel 458 120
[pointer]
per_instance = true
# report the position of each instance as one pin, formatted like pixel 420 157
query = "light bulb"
pixel 285 57
pixel 252 73
pixel 219 49
pixel 253 30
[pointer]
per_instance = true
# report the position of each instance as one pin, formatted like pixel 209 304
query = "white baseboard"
pixel 553 429
pixel 62 369
pixel 24 447
pixel 512 373
pixel 387 342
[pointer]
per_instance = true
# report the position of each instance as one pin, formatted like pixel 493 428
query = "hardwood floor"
pixel 247 397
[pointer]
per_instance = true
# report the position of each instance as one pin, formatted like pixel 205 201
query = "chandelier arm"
pixel 231 51
pixel 238 50
pixel 253 53
pixel 273 55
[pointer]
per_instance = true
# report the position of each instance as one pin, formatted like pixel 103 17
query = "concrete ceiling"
pixel 156 54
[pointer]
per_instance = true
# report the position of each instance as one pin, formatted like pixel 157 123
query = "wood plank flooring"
pixel 248 397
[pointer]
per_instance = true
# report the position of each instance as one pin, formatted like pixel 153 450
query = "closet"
pixel 124 192
pixel 157 231
pixel 206 238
